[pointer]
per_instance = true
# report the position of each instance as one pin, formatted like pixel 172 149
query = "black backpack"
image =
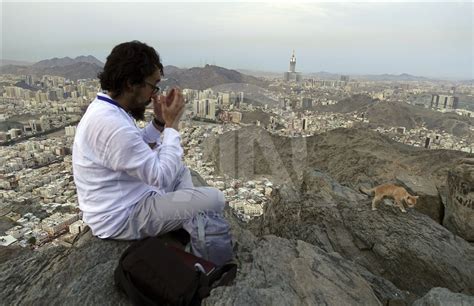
pixel 152 272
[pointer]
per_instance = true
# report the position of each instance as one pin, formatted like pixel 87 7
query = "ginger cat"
pixel 397 193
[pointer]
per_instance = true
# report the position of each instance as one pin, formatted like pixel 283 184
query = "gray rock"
pixel 444 297
pixel 359 257
pixel 64 276
pixel 285 272
pixel 429 201
pixel 273 271
pixel 459 217
pixel 410 250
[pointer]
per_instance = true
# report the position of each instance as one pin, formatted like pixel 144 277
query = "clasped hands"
pixel 168 109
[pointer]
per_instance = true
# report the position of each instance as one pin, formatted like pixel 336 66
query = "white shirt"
pixel 114 167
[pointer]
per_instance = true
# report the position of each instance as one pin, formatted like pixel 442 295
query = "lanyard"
pixel 113 102
pixel 108 100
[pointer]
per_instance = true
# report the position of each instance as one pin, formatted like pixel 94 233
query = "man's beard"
pixel 138 112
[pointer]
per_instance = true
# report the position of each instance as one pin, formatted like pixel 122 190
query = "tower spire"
pixel 293 62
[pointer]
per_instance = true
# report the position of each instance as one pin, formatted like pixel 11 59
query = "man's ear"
pixel 129 86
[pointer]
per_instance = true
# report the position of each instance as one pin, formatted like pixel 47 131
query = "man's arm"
pixel 126 151
pixel 151 134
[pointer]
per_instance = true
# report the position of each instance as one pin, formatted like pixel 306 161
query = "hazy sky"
pixel 429 39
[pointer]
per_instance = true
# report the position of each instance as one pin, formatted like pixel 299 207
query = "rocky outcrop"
pixel 272 271
pixel 332 250
pixel 410 250
pixel 351 156
pixel 81 275
pixel 429 201
pixel 284 272
pixel 444 297
pixel 459 216
pixel 278 271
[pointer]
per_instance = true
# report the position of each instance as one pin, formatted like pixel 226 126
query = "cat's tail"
pixel 369 192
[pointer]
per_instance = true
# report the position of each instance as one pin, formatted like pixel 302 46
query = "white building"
pixel 7 240
pixel 70 131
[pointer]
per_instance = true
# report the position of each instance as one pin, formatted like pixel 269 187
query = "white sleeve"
pixel 127 151
pixel 150 134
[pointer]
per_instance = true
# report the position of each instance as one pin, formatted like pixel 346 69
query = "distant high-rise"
pixel 293 62
pixel 205 108
pixel 344 78
pixel 29 80
pixel 292 75
pixel 444 102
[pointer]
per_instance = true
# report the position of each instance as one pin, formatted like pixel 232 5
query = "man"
pixel 130 183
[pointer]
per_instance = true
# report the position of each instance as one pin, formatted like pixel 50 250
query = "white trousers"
pixel 158 214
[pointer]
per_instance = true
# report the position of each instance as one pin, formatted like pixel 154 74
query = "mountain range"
pixel 186 77
pixel 81 67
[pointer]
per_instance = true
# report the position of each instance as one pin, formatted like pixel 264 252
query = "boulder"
pixel 81 275
pixel 276 264
pixel 429 201
pixel 459 215
pixel 409 249
pixel 444 297
pixel 284 272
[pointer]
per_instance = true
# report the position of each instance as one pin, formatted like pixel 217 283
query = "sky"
pixel 420 38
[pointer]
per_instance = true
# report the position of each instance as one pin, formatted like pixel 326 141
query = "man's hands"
pixel 169 109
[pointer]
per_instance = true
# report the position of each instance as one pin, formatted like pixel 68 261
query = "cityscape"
pixel 330 146
pixel 39 115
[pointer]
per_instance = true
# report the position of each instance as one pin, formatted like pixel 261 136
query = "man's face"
pixel 142 95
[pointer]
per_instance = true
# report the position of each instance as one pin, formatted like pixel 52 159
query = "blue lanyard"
pixel 113 102
pixel 108 100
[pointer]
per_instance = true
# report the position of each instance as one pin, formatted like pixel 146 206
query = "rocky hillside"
pixel 387 114
pixel 316 245
pixel 81 67
pixel 351 156
pixel 206 77
pixel 66 61
pixel 409 250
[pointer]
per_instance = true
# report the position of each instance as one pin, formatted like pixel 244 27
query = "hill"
pixel 206 77
pixel 82 67
pixel 351 156
pixel 388 114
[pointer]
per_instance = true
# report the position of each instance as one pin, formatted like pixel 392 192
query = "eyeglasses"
pixel 156 89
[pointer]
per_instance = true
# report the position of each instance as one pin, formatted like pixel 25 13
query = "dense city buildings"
pixel 38 118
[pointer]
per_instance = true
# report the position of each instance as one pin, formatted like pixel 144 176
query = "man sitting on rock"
pixel 131 183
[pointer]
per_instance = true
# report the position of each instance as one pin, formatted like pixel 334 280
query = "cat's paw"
pixel 374 209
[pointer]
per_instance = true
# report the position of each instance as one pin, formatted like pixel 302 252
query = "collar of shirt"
pixel 105 98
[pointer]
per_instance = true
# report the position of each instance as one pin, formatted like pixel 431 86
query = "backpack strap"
pixel 202 235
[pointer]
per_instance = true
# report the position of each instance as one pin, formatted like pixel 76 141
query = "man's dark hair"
pixel 131 61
